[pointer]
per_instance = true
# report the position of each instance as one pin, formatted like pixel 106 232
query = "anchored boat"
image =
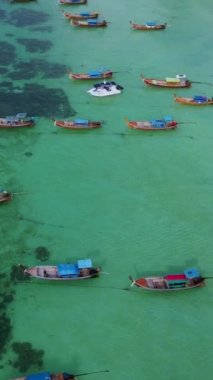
pixel 93 74
pixel 189 279
pixel 80 270
pixel 197 100
pixel 105 89
pixel 167 123
pixel 21 120
pixel 78 124
pixel 149 25
pixel 48 376
pixel 180 81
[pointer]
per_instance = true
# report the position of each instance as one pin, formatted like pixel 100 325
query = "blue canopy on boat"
pixel 158 123
pixel 191 273
pixel 168 118
pixel 92 22
pixel 81 121
pixel 200 98
pixel 85 14
pixel 39 376
pixel 21 115
pixel 86 263
pixel 68 270
pixel 151 23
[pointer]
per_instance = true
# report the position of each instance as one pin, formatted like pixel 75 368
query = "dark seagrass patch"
pixel 27 17
pixel 37 67
pixel 34 45
pixel 36 100
pixel 8 53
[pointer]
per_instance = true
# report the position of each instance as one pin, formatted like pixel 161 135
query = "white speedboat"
pixel 105 89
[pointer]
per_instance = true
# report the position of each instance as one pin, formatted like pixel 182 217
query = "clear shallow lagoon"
pixel 136 203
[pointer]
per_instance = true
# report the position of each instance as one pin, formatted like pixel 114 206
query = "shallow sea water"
pixel 136 203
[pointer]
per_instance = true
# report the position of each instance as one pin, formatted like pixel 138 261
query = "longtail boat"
pixel 197 100
pixel 80 16
pixel 18 121
pixel 90 23
pixel 149 25
pixel 93 74
pixel 72 2
pixel 48 376
pixel 80 270
pixel 5 196
pixel 167 123
pixel 180 81
pixel 78 124
pixel 189 279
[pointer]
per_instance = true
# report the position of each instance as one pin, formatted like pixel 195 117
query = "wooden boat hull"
pixel 165 84
pixel 49 273
pixel 147 126
pixel 84 24
pixel 147 27
pixel 72 16
pixel 66 2
pixel 145 281
pixel 82 76
pixel 74 126
pixel 7 198
pixel 26 124
pixel 192 102
pixel 58 376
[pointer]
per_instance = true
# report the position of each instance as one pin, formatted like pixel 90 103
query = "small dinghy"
pixel 105 89
pixel 190 278
pixel 80 270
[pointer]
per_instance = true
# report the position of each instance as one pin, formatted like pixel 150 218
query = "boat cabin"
pixel 39 376
pixel 189 278
pixel 81 122
pixel 172 80
pixel 200 99
pixel 150 24
pixel 79 269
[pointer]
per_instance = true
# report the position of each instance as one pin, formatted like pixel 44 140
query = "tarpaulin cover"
pixel 86 263
pixel 81 121
pixel 168 118
pixel 173 80
pixel 68 270
pixel 92 22
pixel 39 376
pixel 200 98
pixel 151 23
pixel 158 123
pixel 175 277
pixel 191 273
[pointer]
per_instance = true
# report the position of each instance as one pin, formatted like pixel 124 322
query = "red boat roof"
pixel 171 277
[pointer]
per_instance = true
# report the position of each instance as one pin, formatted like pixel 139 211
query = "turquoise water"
pixel 136 203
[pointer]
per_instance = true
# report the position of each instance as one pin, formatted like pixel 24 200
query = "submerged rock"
pixel 42 253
